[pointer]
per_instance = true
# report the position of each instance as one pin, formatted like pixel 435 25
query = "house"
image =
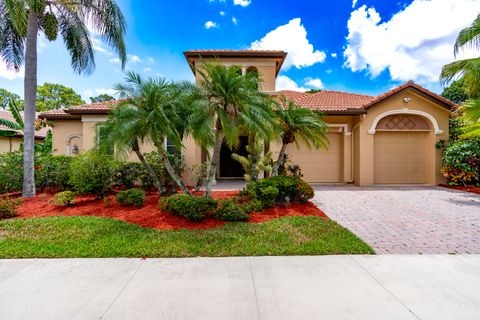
pixel 385 139
pixel 13 142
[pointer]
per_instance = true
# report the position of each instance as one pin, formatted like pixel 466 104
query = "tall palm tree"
pixel 468 69
pixel 21 21
pixel 298 124
pixel 148 113
pixel 227 102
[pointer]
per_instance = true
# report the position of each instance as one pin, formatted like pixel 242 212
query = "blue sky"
pixel 365 46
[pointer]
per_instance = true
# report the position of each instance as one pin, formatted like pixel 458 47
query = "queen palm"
pixel 296 125
pixel 20 24
pixel 147 112
pixel 227 103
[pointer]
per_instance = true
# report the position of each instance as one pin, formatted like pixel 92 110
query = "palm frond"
pixel 469 37
pixel 10 124
pixel 12 41
pixel 7 133
pixel 15 110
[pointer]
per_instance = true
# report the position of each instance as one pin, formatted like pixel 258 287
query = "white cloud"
pixel 315 83
pixel 147 70
pixel 333 55
pixel 292 38
pixel 210 24
pixel 99 46
pixel 10 74
pixel 285 83
pixel 354 3
pixel 234 20
pixel 114 60
pixel 242 3
pixel 222 13
pixel 414 44
pixel 132 59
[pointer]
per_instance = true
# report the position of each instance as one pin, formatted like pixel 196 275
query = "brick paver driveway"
pixel 406 219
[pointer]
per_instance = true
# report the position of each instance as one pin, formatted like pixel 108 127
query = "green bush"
pixel 8 208
pixel 129 174
pixel 131 197
pixel 190 207
pixel 63 199
pixel 267 196
pixel 155 161
pixel 461 162
pixel 53 171
pixel 251 205
pixel 290 189
pixel 230 210
pixel 11 172
pixel 92 173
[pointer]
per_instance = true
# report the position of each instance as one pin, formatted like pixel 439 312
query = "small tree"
pixel 256 161
pixel 298 124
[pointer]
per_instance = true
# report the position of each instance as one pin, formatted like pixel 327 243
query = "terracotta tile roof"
pixel 410 84
pixel 97 107
pixel 4 114
pixel 233 52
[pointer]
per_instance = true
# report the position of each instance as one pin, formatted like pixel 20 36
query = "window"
pixel 171 148
pixel 254 71
pixel 103 143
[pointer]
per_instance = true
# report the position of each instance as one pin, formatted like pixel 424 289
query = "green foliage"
pixel 6 96
pixel 92 173
pixel 288 168
pixel 129 174
pixel 290 189
pixel 131 197
pixel 8 208
pixel 102 98
pixel 53 171
pixel 50 26
pixel 188 206
pixel 230 210
pixel 52 96
pixel 63 199
pixel 455 92
pixel 461 162
pixel 255 162
pixel 155 161
pixel 199 174
pixel 311 91
pixel 11 172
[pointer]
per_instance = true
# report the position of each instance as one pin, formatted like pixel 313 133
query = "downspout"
pixel 352 145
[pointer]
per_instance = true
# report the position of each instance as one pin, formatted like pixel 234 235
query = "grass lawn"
pixel 68 237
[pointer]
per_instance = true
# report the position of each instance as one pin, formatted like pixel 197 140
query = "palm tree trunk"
pixel 253 157
pixel 279 162
pixel 213 162
pixel 147 166
pixel 30 92
pixel 168 166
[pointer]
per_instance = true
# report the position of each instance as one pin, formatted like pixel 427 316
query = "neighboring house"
pixel 12 143
pixel 387 139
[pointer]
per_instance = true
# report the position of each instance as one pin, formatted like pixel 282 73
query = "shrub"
pixel 11 172
pixel 53 171
pixel 251 205
pixel 92 173
pixel 290 189
pixel 190 207
pixel 461 162
pixel 63 199
pixel 230 210
pixel 155 161
pixel 199 175
pixel 266 196
pixel 129 174
pixel 131 197
pixel 8 208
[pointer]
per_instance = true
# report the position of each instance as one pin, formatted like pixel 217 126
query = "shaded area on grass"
pixel 67 237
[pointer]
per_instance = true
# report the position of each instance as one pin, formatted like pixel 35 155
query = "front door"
pixel 229 167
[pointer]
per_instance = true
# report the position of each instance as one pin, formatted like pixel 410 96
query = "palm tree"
pixel 20 24
pixel 227 103
pixel 148 113
pixel 468 69
pixel 298 124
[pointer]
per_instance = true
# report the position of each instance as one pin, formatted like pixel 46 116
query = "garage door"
pixel 400 157
pixel 321 166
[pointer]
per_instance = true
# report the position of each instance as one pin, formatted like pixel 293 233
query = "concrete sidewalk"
pixel 317 287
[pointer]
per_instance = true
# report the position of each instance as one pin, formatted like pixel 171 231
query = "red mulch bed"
pixel 472 189
pixel 150 215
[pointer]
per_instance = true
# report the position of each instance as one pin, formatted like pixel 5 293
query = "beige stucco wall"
pixel 62 132
pixel 266 69
pixel 365 166
pixel 10 144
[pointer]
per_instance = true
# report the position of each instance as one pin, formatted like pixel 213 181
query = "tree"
pixel 298 124
pixel 149 113
pixel 255 161
pixel 53 96
pixel 21 21
pixel 455 92
pixel 227 103
pixel 6 96
pixel 102 98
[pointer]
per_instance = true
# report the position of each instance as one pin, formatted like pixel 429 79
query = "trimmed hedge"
pixel 8 208
pixel 188 206
pixel 461 162
pixel 131 197
pixel 230 210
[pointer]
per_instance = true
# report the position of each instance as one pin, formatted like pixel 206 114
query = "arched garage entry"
pixel 404 148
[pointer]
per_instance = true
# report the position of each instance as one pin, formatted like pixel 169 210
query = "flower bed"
pixel 150 215
pixel 472 189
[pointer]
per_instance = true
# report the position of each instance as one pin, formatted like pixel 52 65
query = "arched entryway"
pixel 404 149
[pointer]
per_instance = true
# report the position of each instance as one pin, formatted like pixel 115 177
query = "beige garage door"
pixel 321 166
pixel 400 157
